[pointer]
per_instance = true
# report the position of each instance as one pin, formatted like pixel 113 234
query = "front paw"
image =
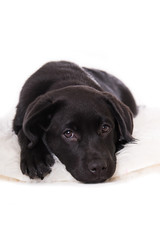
pixel 35 164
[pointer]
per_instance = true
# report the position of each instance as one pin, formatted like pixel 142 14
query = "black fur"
pixel 83 116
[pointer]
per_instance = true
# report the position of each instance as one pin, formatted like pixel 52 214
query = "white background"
pixel 121 37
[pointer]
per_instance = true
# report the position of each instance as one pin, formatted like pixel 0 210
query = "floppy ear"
pixel 38 117
pixel 124 119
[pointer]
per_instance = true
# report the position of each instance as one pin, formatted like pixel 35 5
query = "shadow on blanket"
pixel 140 158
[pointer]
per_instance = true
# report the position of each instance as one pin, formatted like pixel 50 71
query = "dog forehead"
pixel 84 108
pixel 78 95
pixel 82 103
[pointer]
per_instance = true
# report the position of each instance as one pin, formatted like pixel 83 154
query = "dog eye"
pixel 105 128
pixel 68 134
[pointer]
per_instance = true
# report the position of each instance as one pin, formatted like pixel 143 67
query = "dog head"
pixel 84 128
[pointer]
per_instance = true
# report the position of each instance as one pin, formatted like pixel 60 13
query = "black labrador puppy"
pixel 83 116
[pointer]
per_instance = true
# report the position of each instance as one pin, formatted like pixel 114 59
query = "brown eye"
pixel 68 134
pixel 105 128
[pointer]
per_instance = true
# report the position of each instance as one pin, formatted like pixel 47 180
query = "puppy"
pixel 83 116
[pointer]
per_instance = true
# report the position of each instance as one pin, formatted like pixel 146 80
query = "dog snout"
pixel 98 168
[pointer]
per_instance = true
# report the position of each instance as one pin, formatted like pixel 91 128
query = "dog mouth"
pixel 87 177
pixel 89 180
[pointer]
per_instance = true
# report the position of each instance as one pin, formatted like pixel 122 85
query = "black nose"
pixel 98 168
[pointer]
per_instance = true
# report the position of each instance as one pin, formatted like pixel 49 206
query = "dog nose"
pixel 97 167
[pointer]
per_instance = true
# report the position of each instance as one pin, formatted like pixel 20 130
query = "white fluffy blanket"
pixel 140 157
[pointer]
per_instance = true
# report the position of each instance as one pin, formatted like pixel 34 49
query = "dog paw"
pixel 35 164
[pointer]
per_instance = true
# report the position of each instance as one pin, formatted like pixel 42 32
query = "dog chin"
pixel 85 178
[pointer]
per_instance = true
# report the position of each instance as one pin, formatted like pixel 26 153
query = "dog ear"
pixel 124 119
pixel 38 117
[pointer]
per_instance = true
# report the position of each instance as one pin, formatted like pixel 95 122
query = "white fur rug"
pixel 142 157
